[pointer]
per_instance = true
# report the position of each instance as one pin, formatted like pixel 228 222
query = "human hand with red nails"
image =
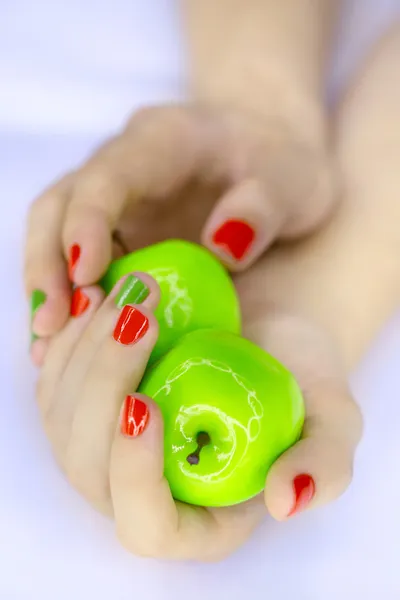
pixel 245 163
pixel 109 439
pixel 313 305
pixel 231 180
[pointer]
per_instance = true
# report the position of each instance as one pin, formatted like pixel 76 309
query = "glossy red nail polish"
pixel 79 302
pixel 131 326
pixel 74 255
pixel 235 237
pixel 134 417
pixel 304 490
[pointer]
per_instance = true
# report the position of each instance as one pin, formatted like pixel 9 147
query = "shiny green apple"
pixel 230 409
pixel 196 290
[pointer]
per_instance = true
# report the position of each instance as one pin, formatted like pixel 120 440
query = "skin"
pixel 324 299
pixel 252 148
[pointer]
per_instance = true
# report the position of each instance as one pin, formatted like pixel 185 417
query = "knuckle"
pixel 41 203
pixel 36 265
pixel 132 545
pixel 98 185
pixel 94 178
pixel 159 122
pixel 48 197
pixel 90 483
pixel 152 545
pixel 144 115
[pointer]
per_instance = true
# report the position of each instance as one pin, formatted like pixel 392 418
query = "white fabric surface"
pixel 69 73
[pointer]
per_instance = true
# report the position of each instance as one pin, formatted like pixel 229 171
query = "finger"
pixel 128 334
pixel 46 278
pixel 39 349
pixel 287 192
pixel 319 468
pixel 60 348
pixel 73 350
pixel 148 521
pixel 152 158
pixel 305 184
pixel 242 225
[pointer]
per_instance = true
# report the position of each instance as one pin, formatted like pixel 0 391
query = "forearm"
pixel 268 55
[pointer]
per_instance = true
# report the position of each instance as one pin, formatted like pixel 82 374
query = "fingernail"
pixel 304 490
pixel 134 417
pixel 79 302
pixel 74 254
pixel 235 238
pixel 38 298
pixel 131 326
pixel 133 291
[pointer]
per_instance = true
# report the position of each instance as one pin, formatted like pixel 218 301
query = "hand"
pixel 117 465
pixel 319 467
pixel 301 314
pixel 235 181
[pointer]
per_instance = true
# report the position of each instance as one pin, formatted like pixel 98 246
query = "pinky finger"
pixel 45 272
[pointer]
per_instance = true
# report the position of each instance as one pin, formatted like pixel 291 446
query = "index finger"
pixel 151 159
pixel 45 272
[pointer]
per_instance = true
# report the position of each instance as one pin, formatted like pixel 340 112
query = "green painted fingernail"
pixel 133 291
pixel 38 298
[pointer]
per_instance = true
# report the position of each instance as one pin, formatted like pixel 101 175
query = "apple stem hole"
pixel 202 439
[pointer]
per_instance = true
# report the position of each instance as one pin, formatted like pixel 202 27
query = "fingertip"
pixel 139 415
pixel 312 473
pixel 136 288
pixel 38 351
pixel 85 299
pixel 138 449
pixel 242 226
pixel 291 482
pixel 303 488
pixel 153 298
pixel 74 255
pixel 232 240
pixel 88 248
pixel 52 314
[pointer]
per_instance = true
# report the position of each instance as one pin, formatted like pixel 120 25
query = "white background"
pixel 69 74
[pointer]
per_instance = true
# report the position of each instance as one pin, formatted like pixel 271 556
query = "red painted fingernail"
pixel 304 490
pixel 135 416
pixel 79 302
pixel 131 326
pixel 74 254
pixel 235 237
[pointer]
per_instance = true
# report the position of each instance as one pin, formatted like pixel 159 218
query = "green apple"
pixel 196 290
pixel 230 409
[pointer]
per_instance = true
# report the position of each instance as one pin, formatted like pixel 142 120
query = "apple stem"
pixel 202 439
